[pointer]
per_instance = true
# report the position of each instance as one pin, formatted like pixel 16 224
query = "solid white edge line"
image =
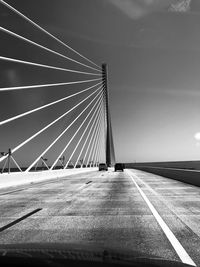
pixel 183 255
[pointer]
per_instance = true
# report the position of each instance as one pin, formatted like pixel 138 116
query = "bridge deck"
pixel 105 209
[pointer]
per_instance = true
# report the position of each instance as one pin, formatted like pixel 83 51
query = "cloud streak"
pixel 136 9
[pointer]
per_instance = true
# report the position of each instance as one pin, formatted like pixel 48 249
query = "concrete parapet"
pixel 21 178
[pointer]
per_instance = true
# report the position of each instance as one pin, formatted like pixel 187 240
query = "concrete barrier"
pixel 186 176
pixel 22 178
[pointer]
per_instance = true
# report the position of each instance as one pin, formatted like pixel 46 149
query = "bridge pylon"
pixel 109 145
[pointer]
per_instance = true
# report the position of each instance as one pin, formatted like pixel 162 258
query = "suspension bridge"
pixel 56 124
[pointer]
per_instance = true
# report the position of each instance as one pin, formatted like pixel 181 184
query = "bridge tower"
pixel 110 153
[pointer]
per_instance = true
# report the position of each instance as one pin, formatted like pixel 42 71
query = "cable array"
pixel 14 60
pixel 45 48
pixel 46 32
pixel 84 133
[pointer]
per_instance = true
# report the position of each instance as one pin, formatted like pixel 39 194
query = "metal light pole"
pixel 9 157
pixel 62 160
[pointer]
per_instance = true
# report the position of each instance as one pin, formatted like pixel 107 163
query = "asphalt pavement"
pixel 144 213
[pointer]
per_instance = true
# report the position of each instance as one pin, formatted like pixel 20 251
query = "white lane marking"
pixel 183 255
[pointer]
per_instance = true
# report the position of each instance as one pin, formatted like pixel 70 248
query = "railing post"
pixel 9 157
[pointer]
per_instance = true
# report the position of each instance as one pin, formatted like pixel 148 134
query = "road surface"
pixel 133 210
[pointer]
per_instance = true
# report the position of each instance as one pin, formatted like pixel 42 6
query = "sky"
pixel 152 48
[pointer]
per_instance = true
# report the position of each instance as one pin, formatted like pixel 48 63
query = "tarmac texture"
pixel 108 210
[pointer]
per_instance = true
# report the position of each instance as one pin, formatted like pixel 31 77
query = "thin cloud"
pixel 180 6
pixel 136 9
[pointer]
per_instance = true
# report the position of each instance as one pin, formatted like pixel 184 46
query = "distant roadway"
pixel 134 210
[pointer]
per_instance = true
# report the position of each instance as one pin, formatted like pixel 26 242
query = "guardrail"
pixel 186 176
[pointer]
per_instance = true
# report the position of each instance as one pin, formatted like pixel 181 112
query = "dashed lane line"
pixel 18 220
pixel 183 255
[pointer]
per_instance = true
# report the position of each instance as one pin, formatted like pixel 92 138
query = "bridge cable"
pixel 16 164
pixel 45 48
pixel 101 142
pixel 2 170
pixel 97 156
pixel 46 85
pixel 91 138
pixel 81 137
pixel 100 135
pixel 100 151
pixel 94 156
pixel 103 149
pixel 47 126
pixel 28 169
pixel 69 142
pixel 73 135
pixel 45 106
pixel 46 66
pixel 45 31
pixel 94 139
pixel 95 146
pixel 92 126
pixel 55 162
